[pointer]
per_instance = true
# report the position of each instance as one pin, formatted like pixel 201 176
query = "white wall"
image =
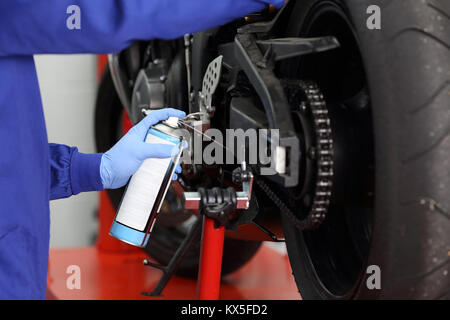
pixel 68 87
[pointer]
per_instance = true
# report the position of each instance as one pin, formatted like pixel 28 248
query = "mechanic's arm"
pixel 73 172
pixel 40 26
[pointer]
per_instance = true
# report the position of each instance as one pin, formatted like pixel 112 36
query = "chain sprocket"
pixel 307 96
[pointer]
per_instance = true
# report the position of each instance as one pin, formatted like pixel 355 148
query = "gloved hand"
pixel 178 17
pixel 120 162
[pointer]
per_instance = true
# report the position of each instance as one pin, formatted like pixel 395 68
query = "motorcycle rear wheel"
pixel 405 66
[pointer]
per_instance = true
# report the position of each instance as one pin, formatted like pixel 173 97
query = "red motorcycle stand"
pixel 210 267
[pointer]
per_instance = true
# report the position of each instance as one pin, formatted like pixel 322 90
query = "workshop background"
pixel 68 88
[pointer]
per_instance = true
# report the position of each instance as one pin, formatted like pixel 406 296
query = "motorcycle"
pixel 363 123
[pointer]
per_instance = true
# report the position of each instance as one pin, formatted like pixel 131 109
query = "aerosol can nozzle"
pixel 172 122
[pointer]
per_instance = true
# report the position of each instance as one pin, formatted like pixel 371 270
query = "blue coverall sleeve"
pixel 40 26
pixel 72 172
pixel 106 26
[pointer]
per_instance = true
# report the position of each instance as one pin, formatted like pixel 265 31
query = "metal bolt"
pixel 312 153
pixel 303 107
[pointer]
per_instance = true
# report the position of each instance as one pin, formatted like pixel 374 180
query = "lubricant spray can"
pixel 147 188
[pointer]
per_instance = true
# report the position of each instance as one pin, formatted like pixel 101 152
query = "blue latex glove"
pixel 120 162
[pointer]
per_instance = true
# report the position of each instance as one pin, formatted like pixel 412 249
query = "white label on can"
pixel 143 189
